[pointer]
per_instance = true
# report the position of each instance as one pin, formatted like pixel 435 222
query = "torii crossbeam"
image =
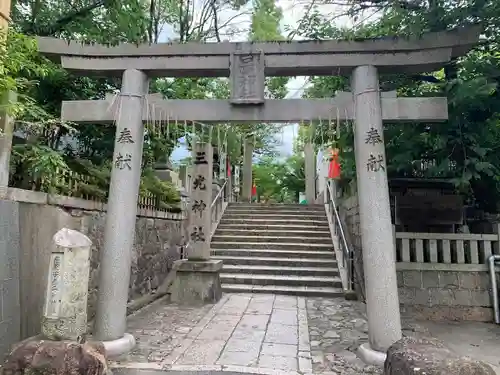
pixel 341 107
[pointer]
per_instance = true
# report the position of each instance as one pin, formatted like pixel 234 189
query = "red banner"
pixel 334 168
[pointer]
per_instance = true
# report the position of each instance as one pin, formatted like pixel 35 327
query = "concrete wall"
pixel 445 291
pixel 10 310
pixel 157 245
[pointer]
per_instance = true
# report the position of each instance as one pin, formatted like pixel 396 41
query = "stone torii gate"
pixel 247 64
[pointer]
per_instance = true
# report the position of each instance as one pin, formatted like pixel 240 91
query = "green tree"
pixel 465 148
pixel 280 180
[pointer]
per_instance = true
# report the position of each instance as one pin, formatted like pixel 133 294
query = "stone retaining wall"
pixel 445 291
pixel 434 291
pixel 157 244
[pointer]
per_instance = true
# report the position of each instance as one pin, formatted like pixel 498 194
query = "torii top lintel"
pixel 328 57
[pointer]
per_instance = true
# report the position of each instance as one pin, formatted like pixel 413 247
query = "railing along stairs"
pixel 342 243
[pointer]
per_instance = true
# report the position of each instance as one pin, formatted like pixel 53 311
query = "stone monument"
pixel 198 277
pixel 65 312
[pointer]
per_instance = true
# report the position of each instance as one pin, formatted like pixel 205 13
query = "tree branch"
pixel 216 21
pixel 64 21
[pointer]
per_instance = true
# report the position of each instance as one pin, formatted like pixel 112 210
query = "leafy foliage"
pixel 51 148
pixel 280 181
pixel 463 149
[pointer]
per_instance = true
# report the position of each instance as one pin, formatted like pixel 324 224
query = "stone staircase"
pixel 283 249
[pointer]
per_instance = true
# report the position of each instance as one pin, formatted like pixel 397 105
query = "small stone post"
pixel 197 278
pixel 382 300
pixel 310 172
pixel 247 170
pixel 119 231
pixel 65 312
pixel 237 183
pixel 183 170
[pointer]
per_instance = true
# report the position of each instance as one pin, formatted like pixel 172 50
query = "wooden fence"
pixel 69 183
pixel 447 248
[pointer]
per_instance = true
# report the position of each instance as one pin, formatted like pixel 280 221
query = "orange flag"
pixel 334 168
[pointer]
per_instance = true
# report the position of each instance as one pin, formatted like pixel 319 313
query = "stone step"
pixel 312 241
pixel 274 227
pixel 278 261
pixel 271 211
pixel 281 222
pixel 274 216
pixel 289 290
pixel 271 245
pixel 280 270
pixel 293 254
pixel 277 206
pixel 282 280
pixel 230 232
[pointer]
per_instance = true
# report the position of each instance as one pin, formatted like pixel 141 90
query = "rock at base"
pixel 197 282
pixel 43 357
pixel 430 356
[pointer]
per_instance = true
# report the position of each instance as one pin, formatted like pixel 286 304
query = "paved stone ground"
pixel 159 328
pixel 243 332
pixel 256 331
pixel 337 327
pixel 268 334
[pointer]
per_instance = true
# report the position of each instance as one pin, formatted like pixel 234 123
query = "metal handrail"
pixel 218 205
pixel 220 192
pixel 337 217
pixel 347 252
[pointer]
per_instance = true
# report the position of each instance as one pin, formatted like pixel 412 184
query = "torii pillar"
pixel 247 170
pixel 119 231
pixel 379 259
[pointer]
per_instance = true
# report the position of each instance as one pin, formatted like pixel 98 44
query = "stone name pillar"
pixel 247 170
pixel 119 232
pixel 201 199
pixel 310 172
pixel 384 323
pixel 197 278
pixel 65 313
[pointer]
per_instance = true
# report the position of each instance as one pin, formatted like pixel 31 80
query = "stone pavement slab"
pixel 259 332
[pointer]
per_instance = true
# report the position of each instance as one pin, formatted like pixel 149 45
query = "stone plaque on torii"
pixel 247 64
pixel 247 78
